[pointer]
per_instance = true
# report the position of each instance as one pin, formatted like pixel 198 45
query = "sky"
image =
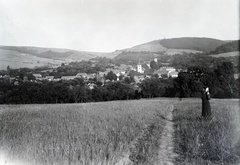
pixel 108 25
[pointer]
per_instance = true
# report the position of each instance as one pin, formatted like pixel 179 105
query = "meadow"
pixel 20 60
pixel 90 133
pixel 228 54
pixel 211 141
pixel 104 133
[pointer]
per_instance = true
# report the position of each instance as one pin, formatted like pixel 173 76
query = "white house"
pixel 36 75
pixel 91 76
pixel 81 75
pixel 49 78
pixel 170 69
pixel 68 77
pixel 140 68
pixel 173 74
pixel 236 75
pixel 91 85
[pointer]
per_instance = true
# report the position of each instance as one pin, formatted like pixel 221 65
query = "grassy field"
pixel 91 133
pixel 20 60
pixel 103 133
pixel 201 141
pixel 229 54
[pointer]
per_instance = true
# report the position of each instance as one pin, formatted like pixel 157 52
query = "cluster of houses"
pixel 122 70
pixel 100 76
pixel 163 72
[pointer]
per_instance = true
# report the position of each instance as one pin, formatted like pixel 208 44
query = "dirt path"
pixel 165 154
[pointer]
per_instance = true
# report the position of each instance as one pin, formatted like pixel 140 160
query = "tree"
pixel 190 83
pixel 127 80
pixel 8 68
pixel 152 87
pixel 59 93
pixel 225 74
pixel 181 85
pixel 132 74
pixel 111 76
pixel 119 91
pixel 82 94
pixel 31 77
pixel 98 93
pixel 154 65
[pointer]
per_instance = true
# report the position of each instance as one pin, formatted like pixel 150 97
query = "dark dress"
pixel 206 109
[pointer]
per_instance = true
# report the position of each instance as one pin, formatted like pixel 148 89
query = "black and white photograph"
pixel 119 82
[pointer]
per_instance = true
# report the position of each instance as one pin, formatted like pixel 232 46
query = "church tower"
pixel 139 68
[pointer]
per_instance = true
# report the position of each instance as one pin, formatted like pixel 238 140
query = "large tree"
pixel 111 76
pixel 154 65
pixel 190 83
pixel 152 87
pixel 225 74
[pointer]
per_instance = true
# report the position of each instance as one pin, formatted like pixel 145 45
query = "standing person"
pixel 206 109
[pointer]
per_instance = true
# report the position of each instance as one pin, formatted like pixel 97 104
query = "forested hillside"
pixel 231 46
pixel 174 46
pixel 135 57
pixel 201 44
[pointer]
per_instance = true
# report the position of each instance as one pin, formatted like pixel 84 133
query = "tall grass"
pixel 92 133
pixel 102 133
pixel 201 141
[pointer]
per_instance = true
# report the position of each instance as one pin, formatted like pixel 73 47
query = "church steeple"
pixel 139 67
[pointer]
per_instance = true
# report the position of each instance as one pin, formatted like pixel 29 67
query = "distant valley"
pixel 24 56
pixel 30 57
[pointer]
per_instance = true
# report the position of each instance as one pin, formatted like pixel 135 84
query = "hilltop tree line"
pixel 206 45
pixel 200 44
pixel 227 47
pixel 188 84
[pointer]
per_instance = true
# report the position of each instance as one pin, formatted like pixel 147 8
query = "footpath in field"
pixel 166 154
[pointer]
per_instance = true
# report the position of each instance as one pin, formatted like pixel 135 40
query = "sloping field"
pixel 20 57
pixel 20 60
pixel 156 46
pixel 91 133
pixel 180 51
pixel 229 54
pixel 153 46
pixel 143 132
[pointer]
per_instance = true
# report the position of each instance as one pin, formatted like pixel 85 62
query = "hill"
pixel 134 57
pixel 19 57
pixel 157 46
pixel 226 50
pixel 230 46
pixel 200 44
pixel 149 50
pixel 153 46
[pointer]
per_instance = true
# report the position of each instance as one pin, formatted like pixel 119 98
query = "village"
pixel 120 73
